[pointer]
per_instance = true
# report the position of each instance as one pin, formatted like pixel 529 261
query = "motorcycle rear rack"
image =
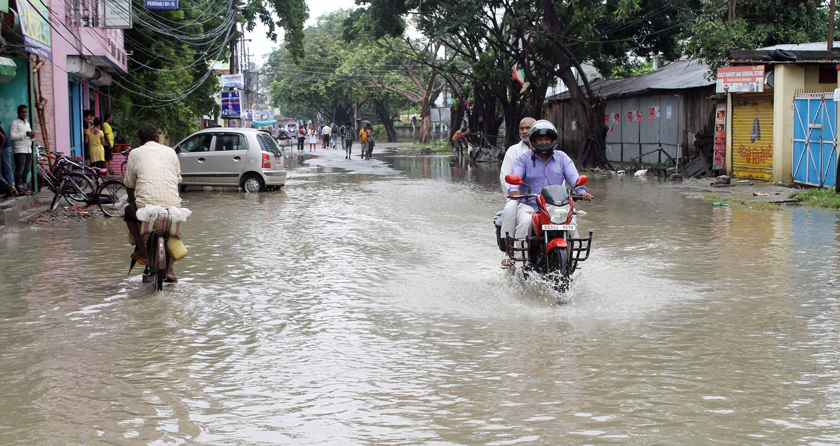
pixel 517 254
pixel 580 248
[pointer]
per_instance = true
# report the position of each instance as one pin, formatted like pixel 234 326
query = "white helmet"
pixel 543 128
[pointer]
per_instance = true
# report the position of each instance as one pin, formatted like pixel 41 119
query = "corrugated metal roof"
pixel 674 76
pixel 813 46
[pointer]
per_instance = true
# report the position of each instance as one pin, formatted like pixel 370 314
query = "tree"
pixel 332 80
pixel 171 77
pixel 426 83
pixel 752 24
pixel 550 38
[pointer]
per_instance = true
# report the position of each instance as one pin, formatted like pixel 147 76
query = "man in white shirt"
pixel 152 176
pixel 512 153
pixel 515 150
pixel 22 136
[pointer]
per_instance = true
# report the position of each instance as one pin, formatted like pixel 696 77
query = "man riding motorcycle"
pixel 539 167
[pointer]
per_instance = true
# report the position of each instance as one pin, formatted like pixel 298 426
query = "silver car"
pixel 230 156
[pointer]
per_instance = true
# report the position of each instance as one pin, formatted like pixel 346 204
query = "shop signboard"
pixel 743 79
pixel 162 5
pixel 118 14
pixel 36 28
pixel 233 81
pixel 230 104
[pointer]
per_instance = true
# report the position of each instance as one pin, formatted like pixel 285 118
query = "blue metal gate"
pixel 815 139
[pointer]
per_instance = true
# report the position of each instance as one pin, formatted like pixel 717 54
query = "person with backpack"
pixel 334 134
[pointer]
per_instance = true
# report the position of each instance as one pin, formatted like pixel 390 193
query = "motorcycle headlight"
pixel 558 214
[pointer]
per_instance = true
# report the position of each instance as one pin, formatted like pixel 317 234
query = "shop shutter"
pixel 752 136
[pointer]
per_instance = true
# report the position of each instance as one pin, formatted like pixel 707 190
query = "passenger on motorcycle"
pixel 539 167
pixel 152 176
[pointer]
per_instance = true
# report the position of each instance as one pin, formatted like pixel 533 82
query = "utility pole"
pixel 831 26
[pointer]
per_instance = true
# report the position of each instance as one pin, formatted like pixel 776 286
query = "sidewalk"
pixel 14 212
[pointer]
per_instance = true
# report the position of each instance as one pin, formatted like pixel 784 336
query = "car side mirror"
pixel 513 179
pixel 581 180
pixel 178 149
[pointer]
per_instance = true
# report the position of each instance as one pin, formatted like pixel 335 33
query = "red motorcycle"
pixel 554 249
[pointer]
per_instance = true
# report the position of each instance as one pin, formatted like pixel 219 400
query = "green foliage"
pixel 634 68
pixel 334 74
pixel 756 24
pixel 292 15
pixel 378 132
pixel 171 81
pixel 824 198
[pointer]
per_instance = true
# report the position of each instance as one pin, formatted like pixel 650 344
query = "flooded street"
pixel 367 306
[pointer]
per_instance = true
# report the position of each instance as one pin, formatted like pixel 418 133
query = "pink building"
pixel 85 56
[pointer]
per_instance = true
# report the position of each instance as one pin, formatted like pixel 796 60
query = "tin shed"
pixel 665 109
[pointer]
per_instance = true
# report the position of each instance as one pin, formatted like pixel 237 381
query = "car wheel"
pixel 253 183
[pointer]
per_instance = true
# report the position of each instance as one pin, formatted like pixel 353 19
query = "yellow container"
pixel 177 248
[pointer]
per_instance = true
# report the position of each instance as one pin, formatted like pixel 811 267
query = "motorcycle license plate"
pixel 558 227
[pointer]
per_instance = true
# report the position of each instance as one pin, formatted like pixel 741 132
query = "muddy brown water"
pixel 364 304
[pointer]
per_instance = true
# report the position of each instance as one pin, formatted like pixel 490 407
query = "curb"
pixel 15 212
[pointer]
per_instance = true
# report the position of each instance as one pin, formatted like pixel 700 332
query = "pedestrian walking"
pixel 301 137
pixel 326 132
pixel 347 138
pixel 366 138
pixel 109 141
pixel 334 134
pixel 341 132
pixel 22 136
pixel 95 138
pixel 313 138
pixel 7 176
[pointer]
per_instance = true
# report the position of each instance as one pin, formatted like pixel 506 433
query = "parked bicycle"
pixel 125 162
pixel 111 195
pixel 51 170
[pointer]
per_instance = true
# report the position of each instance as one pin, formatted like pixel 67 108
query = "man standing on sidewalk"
pixel 22 136
pixel 7 177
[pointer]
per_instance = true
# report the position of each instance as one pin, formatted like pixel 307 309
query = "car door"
pixel 228 158
pixel 193 156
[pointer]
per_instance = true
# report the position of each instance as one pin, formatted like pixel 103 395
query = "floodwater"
pixel 364 304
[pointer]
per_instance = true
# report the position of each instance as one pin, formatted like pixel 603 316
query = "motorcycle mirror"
pixel 582 180
pixel 513 179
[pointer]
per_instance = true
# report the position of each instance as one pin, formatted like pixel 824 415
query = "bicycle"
pixel 51 176
pixel 125 162
pixel 155 271
pixel 111 196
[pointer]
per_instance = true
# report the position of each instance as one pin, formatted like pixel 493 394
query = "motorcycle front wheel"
pixel 558 269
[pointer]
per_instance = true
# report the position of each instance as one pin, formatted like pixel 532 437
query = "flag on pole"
pixel 519 75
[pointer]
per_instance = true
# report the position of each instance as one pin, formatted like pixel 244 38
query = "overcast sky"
pixel 260 46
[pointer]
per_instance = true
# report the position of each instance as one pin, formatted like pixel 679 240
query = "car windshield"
pixel 267 144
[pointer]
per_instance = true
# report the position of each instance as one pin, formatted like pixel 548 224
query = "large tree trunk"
pixel 456 118
pixel 425 135
pixel 386 119
pixel 590 108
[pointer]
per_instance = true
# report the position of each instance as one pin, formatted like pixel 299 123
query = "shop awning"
pixel 263 123
pixel 7 70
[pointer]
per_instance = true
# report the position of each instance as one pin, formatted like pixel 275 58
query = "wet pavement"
pixel 363 304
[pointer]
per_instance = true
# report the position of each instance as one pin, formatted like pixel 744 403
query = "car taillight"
pixel 266 161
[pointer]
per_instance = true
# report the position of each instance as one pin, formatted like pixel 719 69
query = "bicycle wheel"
pixel 82 190
pixel 45 179
pixel 113 198
pixel 122 167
